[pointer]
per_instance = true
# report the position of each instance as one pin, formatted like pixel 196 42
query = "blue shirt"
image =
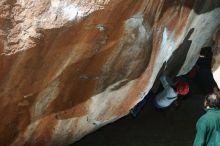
pixel 167 96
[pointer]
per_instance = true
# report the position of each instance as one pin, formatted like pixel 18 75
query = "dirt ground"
pixel 151 127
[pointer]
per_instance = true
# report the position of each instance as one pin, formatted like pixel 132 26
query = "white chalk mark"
pixel 71 12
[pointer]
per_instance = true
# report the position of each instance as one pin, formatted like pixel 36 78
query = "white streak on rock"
pixel 22 138
pixel 70 130
pixel 108 102
pixel 167 46
pixel 216 75
pixel 71 12
pixel 44 99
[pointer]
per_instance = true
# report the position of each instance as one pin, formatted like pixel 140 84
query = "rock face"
pixel 68 67
pixel 216 58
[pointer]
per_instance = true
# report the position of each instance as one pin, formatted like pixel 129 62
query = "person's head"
pixel 182 87
pixel 212 100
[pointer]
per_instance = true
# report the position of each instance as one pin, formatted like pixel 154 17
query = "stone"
pixel 216 58
pixel 70 67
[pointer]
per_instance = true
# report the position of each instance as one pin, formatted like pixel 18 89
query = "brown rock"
pixel 70 67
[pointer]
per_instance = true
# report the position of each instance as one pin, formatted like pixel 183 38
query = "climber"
pixel 170 92
pixel 166 97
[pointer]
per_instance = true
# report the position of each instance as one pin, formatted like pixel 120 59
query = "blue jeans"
pixel 138 107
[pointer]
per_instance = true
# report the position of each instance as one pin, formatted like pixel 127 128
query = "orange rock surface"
pixel 70 67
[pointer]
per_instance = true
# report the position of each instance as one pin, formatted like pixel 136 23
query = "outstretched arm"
pixel 165 80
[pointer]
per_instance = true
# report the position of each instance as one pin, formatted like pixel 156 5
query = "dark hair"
pixel 213 100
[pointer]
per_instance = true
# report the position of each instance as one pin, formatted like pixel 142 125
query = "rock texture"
pixel 70 67
pixel 216 58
